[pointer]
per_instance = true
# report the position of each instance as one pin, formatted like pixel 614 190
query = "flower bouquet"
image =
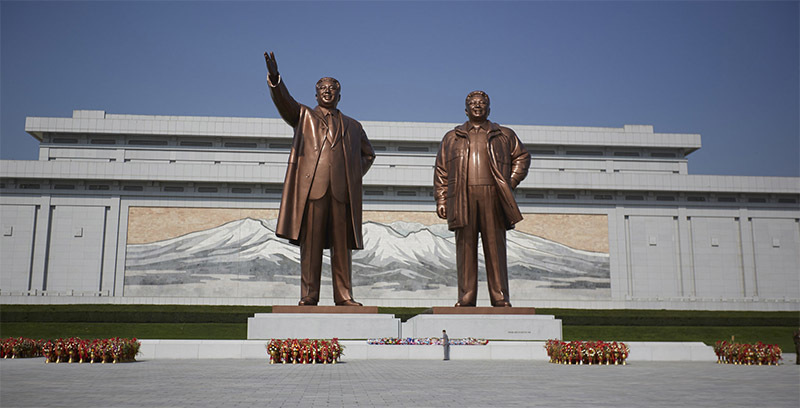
pixel 426 341
pixel 587 352
pixel 747 354
pixel 295 351
pixel 114 350
pixel 19 347
pixel 72 350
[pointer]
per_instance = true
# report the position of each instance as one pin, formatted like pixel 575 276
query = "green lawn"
pixel 230 322
pixel 782 336
pixel 50 330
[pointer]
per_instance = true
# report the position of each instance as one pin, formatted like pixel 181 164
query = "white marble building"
pixel 177 209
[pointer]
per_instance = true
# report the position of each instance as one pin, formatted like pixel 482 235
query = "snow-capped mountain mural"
pixel 244 258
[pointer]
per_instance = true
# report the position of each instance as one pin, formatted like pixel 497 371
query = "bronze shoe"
pixel 349 302
pixel 307 302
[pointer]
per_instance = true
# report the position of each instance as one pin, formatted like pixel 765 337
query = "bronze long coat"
pixel 310 130
pixel 509 160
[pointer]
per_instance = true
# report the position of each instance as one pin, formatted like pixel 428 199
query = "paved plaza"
pixel 395 383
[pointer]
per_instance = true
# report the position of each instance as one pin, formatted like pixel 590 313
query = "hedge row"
pixel 239 314
pixel 129 313
pixel 125 317
pixel 676 321
pixel 621 317
pixel 151 313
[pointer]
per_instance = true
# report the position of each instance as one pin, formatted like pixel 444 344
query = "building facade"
pixel 182 210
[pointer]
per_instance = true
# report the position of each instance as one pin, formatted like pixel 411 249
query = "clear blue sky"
pixel 726 70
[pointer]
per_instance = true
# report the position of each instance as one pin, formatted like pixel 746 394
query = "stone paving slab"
pixel 395 383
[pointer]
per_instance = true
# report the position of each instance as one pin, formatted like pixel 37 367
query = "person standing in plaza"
pixel 321 200
pixel 446 345
pixel 478 166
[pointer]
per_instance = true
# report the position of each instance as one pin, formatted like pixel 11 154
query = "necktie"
pixel 331 128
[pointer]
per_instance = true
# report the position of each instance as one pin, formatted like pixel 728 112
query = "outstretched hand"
pixel 441 211
pixel 272 65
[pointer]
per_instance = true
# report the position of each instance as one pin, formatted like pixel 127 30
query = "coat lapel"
pixel 319 116
pixel 343 128
pixel 461 130
pixel 494 130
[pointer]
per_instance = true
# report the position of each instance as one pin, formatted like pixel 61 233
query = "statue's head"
pixel 328 95
pixel 477 106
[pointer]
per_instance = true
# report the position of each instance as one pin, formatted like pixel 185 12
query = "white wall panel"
pixel 717 255
pixel 777 257
pixel 17 226
pixel 76 248
pixel 653 256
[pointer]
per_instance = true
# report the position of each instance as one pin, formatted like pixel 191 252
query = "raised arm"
pixel 287 106
pixel 272 67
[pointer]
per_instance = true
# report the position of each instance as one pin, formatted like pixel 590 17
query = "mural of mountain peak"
pixel 238 255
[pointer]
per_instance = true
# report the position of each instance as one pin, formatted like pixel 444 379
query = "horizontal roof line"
pixel 31 169
pixel 205 126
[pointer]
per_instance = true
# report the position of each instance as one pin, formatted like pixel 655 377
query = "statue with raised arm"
pixel 321 201
pixel 478 166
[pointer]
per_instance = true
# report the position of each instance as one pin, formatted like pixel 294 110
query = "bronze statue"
pixel 321 201
pixel 478 166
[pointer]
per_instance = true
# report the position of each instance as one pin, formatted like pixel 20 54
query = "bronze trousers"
pixel 485 216
pixel 325 220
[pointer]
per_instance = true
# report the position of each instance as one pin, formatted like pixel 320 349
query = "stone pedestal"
pixel 483 310
pixel 302 325
pixel 525 327
pixel 325 309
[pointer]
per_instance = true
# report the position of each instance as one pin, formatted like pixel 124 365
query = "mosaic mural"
pixel 200 252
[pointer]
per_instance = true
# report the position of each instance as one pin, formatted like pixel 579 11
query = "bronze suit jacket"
pixel 310 130
pixel 509 162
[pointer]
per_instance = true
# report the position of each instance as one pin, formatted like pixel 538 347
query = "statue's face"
pixel 328 94
pixel 477 108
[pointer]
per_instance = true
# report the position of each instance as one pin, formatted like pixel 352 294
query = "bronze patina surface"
pixel 483 310
pixel 478 166
pixel 321 200
pixel 326 309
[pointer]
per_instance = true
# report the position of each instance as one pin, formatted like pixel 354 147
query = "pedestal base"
pixel 484 310
pixel 491 327
pixel 326 309
pixel 322 326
